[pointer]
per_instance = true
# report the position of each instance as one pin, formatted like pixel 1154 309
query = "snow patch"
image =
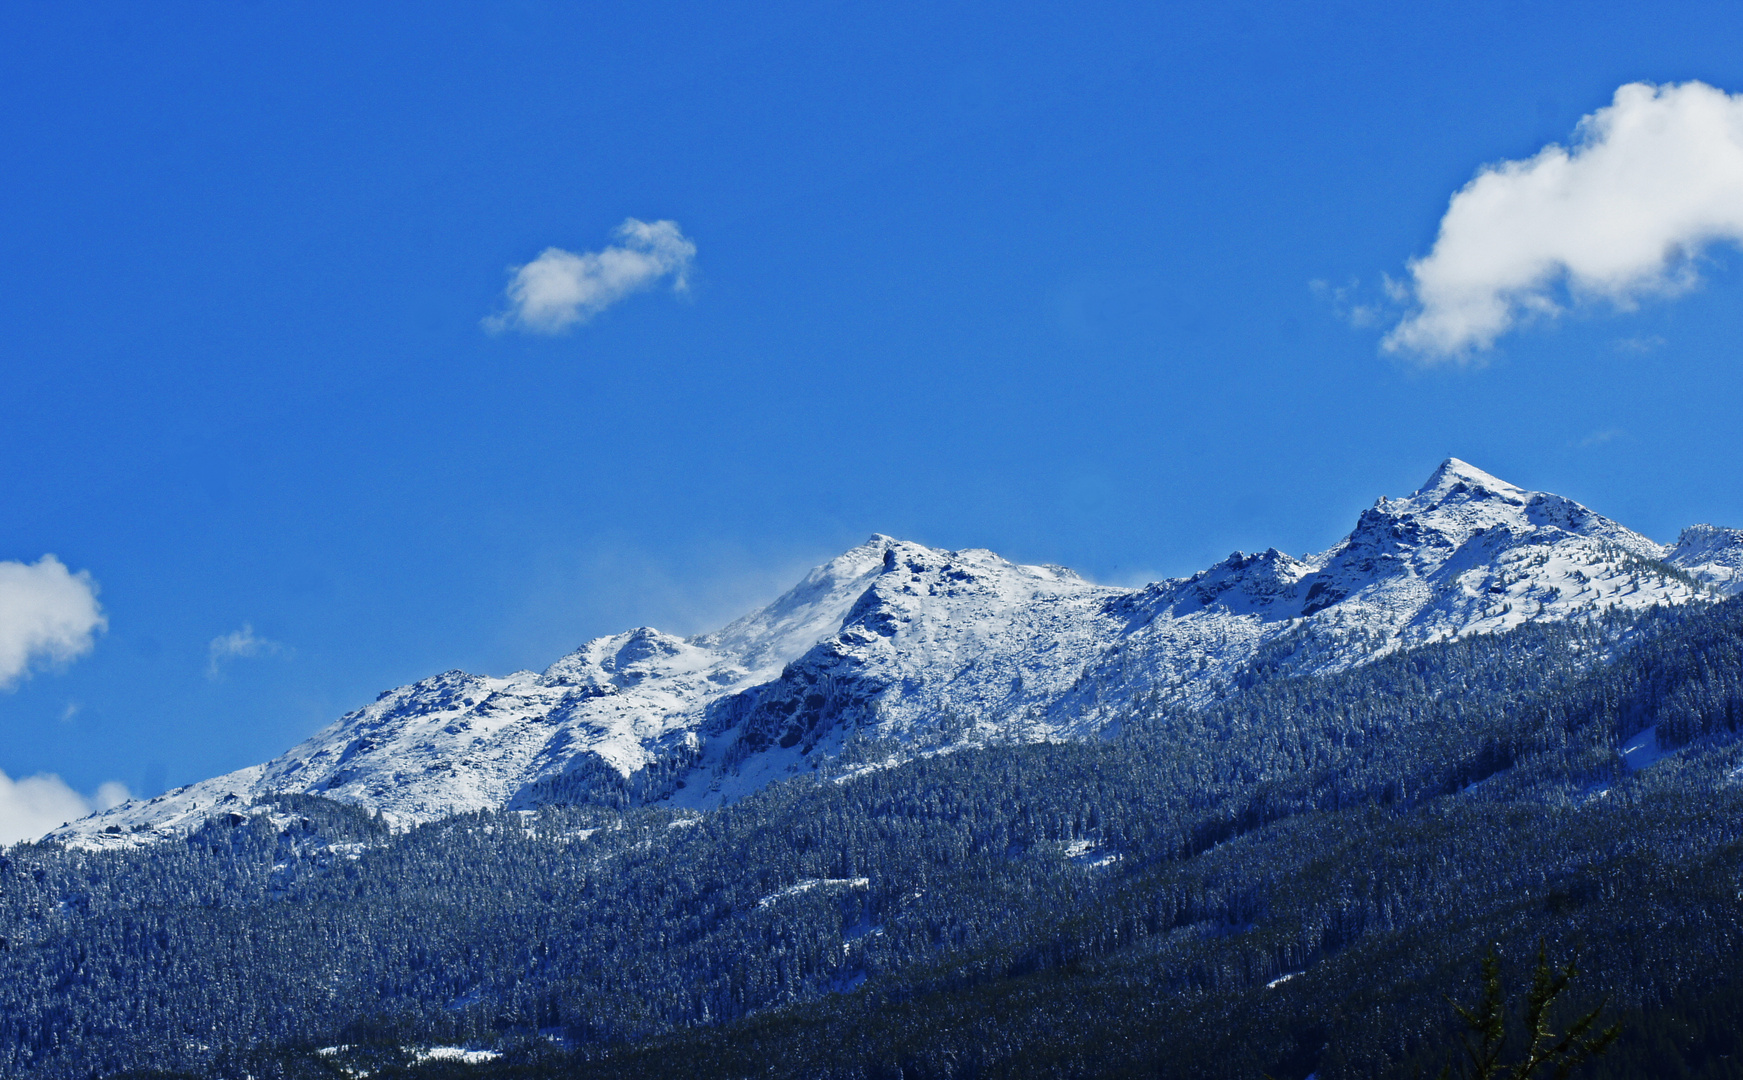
pixel 1089 854
pixel 456 1053
pixel 1642 751
pixel 809 884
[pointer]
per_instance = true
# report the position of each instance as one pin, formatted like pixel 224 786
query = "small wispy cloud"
pixel 1346 303
pixel 560 289
pixel 1645 344
pixel 47 614
pixel 1599 438
pixel 34 805
pixel 1651 179
pixel 238 644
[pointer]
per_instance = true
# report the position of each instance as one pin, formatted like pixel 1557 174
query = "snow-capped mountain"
pixel 929 648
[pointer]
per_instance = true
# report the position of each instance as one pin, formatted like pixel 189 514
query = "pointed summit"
pixel 1453 472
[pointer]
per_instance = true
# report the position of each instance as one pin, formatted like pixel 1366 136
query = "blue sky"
pixel 1037 279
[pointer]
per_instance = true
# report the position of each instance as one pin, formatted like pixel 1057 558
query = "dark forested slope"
pixel 1288 880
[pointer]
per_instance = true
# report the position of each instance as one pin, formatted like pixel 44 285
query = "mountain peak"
pixel 1453 472
pixel 894 640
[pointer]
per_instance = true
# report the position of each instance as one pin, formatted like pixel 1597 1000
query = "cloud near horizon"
pixel 560 289
pixel 1651 179
pixel 238 644
pixel 47 614
pixel 34 805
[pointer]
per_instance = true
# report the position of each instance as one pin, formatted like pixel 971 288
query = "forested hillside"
pixel 1288 880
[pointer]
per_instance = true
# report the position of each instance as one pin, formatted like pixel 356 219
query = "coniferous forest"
pixel 1298 878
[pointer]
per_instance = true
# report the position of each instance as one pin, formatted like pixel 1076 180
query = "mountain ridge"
pixel 919 647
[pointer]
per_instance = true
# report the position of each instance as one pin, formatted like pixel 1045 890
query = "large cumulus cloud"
pixel 1649 181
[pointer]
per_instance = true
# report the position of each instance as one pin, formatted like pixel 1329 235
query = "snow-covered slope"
pixel 933 648
pixel 1712 555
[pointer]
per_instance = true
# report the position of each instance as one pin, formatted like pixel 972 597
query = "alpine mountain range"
pixel 894 650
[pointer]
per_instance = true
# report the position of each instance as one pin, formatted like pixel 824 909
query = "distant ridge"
pixel 926 649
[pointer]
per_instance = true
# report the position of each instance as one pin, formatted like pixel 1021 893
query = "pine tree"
pixel 1484 1040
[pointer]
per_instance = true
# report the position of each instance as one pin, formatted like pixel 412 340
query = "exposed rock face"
pixel 897 640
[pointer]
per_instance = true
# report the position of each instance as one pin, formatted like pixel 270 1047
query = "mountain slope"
pixel 923 649
pixel 1290 881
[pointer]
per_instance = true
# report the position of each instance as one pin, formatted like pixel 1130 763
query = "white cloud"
pixel 1650 180
pixel 47 613
pixel 238 643
pixel 560 288
pixel 34 805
